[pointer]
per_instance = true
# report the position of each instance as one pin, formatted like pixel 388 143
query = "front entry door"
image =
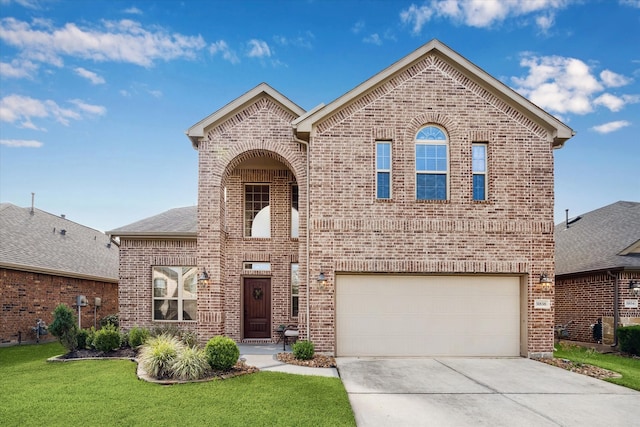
pixel 257 308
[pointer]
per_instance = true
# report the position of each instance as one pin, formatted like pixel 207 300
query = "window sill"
pixel 434 202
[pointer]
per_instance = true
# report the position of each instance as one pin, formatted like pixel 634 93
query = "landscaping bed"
pixel 580 368
pixel 318 360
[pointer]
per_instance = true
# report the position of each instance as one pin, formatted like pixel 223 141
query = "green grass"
pixel 107 392
pixel 628 367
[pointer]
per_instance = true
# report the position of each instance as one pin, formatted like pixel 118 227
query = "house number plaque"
pixel 542 304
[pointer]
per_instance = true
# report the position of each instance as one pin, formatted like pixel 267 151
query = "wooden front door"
pixel 257 308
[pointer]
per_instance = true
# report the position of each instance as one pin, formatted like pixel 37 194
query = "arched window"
pixel 432 164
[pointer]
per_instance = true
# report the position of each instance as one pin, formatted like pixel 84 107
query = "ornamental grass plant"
pixel 158 355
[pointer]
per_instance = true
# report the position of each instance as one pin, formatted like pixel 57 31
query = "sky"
pixel 96 96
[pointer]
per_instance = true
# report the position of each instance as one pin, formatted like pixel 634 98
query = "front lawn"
pixel 628 367
pixel 107 392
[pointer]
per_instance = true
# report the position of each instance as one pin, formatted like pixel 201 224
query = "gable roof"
pixel 558 132
pixel 174 223
pixel 198 130
pixel 45 243
pixel 603 239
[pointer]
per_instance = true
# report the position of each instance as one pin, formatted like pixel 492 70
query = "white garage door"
pixel 390 315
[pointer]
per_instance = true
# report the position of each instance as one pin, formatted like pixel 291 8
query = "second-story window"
pixel 295 217
pixel 479 167
pixel 257 214
pixel 383 169
pixel 432 164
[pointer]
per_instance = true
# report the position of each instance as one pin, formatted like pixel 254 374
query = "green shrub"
pixel 83 336
pixel 222 353
pixel 137 336
pixel 158 354
pixel 107 338
pixel 629 338
pixel 110 319
pixel 190 364
pixel 90 338
pixel 189 338
pixel 303 350
pixel 64 327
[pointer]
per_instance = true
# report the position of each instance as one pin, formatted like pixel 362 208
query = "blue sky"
pixel 95 96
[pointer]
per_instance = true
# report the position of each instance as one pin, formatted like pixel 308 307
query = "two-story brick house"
pixel 411 216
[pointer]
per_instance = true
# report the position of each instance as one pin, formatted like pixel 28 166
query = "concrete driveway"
pixel 481 392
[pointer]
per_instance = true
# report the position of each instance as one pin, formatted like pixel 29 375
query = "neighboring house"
pixel 597 269
pixel 411 216
pixel 46 260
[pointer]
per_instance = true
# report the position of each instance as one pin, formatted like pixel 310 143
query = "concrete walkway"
pixel 263 357
pixel 481 392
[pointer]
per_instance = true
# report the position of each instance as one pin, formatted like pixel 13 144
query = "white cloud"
pixel 358 27
pixel 89 75
pixel 155 93
pixel 304 41
pixel 258 49
pixel 21 110
pixel 29 4
pixel 133 11
pixel 222 47
pixel 481 13
pixel 632 3
pixel 121 41
pixel 373 39
pixel 18 69
pixel 611 79
pixel 567 85
pixel 611 126
pixel 18 143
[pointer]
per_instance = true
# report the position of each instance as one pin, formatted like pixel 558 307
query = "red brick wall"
pixel 137 257
pixel 26 297
pixel 583 299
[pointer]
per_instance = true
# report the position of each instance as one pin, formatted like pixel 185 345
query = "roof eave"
pixel 138 235
pixel 54 272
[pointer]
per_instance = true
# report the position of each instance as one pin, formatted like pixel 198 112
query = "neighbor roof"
pixel 558 132
pixel 604 239
pixel 41 242
pixel 174 223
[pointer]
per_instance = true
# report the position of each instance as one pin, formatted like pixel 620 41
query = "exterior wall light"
pixel 203 278
pixel 635 287
pixel 545 282
pixel 322 281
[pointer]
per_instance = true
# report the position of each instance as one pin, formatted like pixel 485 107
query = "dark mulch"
pixel 318 361
pixel 127 353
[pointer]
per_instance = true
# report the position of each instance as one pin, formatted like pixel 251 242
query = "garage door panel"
pixel 380 315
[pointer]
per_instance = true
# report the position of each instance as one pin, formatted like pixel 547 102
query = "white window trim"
pixel 180 298
pixel 244 210
pixel 432 172
pixel 485 173
pixel 382 141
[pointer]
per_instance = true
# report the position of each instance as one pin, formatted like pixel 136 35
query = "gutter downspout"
pixel 616 309
pixel 308 314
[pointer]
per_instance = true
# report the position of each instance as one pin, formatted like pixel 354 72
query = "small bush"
pixel 83 336
pixel 137 336
pixel 158 354
pixel 629 337
pixel 190 364
pixel 303 350
pixel 222 353
pixel 64 327
pixel 110 319
pixel 107 339
pixel 189 338
pixel 90 338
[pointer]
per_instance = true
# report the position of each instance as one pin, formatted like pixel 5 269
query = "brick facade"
pixel 346 228
pixel 582 299
pixel 26 297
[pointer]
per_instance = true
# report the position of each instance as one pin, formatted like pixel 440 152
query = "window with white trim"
pixel 257 213
pixel 175 291
pixel 479 168
pixel 295 289
pixel 383 169
pixel 432 164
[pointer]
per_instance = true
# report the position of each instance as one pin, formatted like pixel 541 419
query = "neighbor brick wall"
pixel 26 297
pixel 582 299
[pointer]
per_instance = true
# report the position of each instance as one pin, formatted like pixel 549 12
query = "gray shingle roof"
pixel 595 241
pixel 175 222
pixel 37 242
